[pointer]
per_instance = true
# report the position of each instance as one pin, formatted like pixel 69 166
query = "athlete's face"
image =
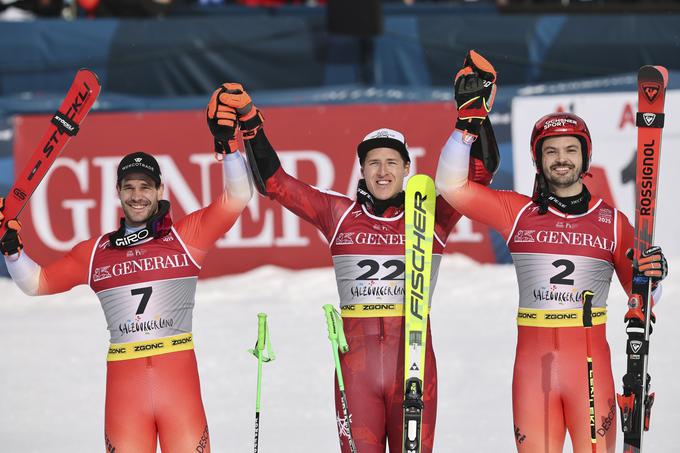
pixel 562 162
pixel 384 171
pixel 139 198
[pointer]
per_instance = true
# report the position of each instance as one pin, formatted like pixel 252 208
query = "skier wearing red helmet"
pixel 564 243
pixel 556 124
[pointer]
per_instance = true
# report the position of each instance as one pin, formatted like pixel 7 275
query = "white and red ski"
pixel 636 402
pixel 64 124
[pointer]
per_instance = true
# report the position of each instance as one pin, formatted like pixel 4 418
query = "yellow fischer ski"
pixel 419 220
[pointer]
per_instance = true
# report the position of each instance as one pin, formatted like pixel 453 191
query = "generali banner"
pixel 78 199
pixel 611 120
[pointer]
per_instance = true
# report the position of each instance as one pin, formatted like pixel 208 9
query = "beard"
pixel 562 181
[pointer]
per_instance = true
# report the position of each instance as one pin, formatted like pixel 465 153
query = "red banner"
pixel 316 144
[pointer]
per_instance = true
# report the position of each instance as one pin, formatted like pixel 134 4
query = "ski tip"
pixel 85 72
pixel 420 179
pixel 664 74
pixel 650 73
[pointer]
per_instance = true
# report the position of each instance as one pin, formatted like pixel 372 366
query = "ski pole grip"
pixel 588 308
pixel 336 332
pixel 261 330
pixel 331 323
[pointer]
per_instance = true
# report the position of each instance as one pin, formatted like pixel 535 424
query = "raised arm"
pixel 201 229
pixel 497 209
pixel 475 90
pixel 321 208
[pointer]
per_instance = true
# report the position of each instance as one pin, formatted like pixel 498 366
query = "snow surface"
pixel 53 371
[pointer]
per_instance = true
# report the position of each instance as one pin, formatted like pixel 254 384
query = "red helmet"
pixel 555 124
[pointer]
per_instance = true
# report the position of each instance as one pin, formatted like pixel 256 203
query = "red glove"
pixel 652 264
pixel 475 91
pixel 249 117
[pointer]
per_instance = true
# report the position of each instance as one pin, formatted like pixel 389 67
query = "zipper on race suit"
pixel 381 324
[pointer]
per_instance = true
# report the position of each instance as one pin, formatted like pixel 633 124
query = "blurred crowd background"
pixel 70 9
pixel 325 72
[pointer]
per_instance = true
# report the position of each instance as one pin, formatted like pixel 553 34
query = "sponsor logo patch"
pixel 344 239
pixel 101 273
pixel 525 236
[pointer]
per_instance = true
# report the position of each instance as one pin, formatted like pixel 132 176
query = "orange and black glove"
pixel 652 264
pixel 222 123
pixel 249 117
pixel 11 242
pixel 475 91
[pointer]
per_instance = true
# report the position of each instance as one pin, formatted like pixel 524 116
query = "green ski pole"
pixel 336 335
pixel 259 353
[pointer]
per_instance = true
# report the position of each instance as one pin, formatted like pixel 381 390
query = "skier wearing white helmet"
pixel 366 240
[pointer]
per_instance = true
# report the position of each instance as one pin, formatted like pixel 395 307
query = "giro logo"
pixel 635 346
pixel 132 238
pixel 649 118
pixel 651 90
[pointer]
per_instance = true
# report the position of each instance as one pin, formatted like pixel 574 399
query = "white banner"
pixel 611 120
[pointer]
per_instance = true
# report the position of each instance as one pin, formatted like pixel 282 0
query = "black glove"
pixel 222 123
pixel 249 117
pixel 485 149
pixel 652 263
pixel 11 242
pixel 475 91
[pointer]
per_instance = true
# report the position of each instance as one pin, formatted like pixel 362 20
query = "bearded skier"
pixel 564 243
pixel 145 276
pixel 366 241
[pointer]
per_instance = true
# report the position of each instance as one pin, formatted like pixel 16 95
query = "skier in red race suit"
pixel 366 241
pixel 145 276
pixel 563 242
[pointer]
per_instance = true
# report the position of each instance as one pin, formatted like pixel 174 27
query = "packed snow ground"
pixel 53 370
